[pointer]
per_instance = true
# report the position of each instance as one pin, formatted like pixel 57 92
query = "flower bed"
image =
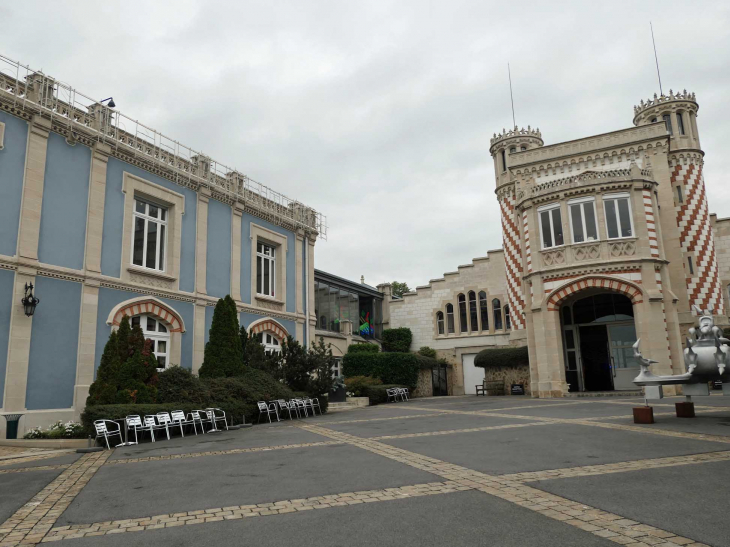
pixel 58 430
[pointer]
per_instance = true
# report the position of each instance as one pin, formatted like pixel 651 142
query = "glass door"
pixel 623 364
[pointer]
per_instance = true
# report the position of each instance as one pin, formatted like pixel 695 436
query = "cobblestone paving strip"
pixel 590 519
pixel 39 468
pixel 452 431
pixel 221 452
pixel 246 511
pixel 35 519
pixel 620 467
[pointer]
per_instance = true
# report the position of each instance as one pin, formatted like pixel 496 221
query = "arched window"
pixel 484 310
pixel 513 149
pixel 440 321
pixel 473 318
pixel 463 327
pixel 270 342
pixel 450 318
pixel 154 330
pixel 497 311
pixel 680 123
pixel 507 322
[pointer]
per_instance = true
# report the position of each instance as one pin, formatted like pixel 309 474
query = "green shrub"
pixel 507 356
pixel 179 384
pixel 357 384
pixel 223 353
pixel 427 352
pixel 397 340
pixel 363 348
pixel 426 362
pixel 58 430
pixel 391 368
pixel 378 394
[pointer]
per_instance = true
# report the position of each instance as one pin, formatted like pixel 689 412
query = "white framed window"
pixel 583 219
pixel 270 342
pixel 265 269
pixel 337 368
pixel 619 223
pixel 551 226
pixel 154 330
pixel 440 321
pixel 149 236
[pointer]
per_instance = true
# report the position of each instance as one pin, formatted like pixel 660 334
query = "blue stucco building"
pixel 106 218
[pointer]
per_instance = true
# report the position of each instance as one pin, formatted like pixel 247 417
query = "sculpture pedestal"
pixel 643 415
pixel 685 410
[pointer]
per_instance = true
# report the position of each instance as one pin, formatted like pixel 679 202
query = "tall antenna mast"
pixel 656 59
pixel 512 100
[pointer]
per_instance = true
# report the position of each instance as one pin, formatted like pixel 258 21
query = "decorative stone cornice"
pixel 664 99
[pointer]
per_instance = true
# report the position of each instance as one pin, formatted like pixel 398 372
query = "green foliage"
pixel 127 370
pixel 58 430
pixel 357 384
pixel 378 394
pixel 321 362
pixel 398 289
pixel 363 348
pixel 397 340
pixel 427 352
pixel 426 362
pixel 180 384
pixel 391 368
pixel 506 357
pixel 223 353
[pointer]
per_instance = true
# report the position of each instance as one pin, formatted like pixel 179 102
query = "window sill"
pixel 610 239
pixel 268 298
pixel 546 249
pixel 152 273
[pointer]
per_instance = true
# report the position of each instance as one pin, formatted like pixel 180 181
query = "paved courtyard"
pixel 510 471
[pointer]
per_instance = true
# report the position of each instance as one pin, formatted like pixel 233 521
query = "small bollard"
pixel 643 415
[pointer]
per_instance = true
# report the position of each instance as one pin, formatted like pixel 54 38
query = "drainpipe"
pixel 305 259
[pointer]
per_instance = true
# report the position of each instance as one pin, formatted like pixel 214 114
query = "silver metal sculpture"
pixel 706 357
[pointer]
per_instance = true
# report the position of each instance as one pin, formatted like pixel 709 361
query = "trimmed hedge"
pixel 506 357
pixel 397 340
pixel 363 348
pixel 391 368
pixel 378 394
pixel 425 362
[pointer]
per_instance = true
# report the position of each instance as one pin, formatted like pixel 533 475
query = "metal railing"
pixel 84 115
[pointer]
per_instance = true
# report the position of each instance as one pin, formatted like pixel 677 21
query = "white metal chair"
pixel 268 409
pixel 202 418
pixel 392 395
pixel 315 404
pixel 164 418
pixel 283 405
pixel 301 407
pixel 102 430
pixel 178 417
pixel 403 393
pixel 150 422
pixel 134 423
pixel 217 417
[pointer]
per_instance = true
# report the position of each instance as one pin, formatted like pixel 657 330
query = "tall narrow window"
pixel 484 310
pixel 504 160
pixel 265 269
pixel 668 123
pixel 680 198
pixel 551 226
pixel 450 318
pixel 690 265
pixel 507 322
pixel 473 317
pixel 463 327
pixel 440 321
pixel 497 312
pixel 680 123
pixel 583 220
pixel 150 227
pixel 618 216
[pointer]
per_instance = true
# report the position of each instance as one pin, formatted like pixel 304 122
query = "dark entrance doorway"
pixel 596 358
pixel 438 378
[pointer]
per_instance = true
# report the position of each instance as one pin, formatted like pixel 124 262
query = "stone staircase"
pixel 352 403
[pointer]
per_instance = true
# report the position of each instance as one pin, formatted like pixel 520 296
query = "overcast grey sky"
pixel 379 114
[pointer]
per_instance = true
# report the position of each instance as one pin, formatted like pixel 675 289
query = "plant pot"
pixel 339 395
pixel 643 415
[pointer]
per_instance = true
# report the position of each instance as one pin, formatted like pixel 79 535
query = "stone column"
pixel 35 170
pixel 201 246
pixel 16 374
pixel 95 218
pixel 236 252
pixel 299 271
pixel 198 335
pixel 87 343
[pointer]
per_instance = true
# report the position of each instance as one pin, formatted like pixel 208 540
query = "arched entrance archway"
pixel 598 333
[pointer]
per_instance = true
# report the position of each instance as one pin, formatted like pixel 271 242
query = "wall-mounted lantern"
pixel 29 301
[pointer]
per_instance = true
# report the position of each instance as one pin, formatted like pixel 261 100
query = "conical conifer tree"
pixel 223 353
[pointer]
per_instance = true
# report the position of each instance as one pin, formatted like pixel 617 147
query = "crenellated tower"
pixel 503 147
pixel 687 198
